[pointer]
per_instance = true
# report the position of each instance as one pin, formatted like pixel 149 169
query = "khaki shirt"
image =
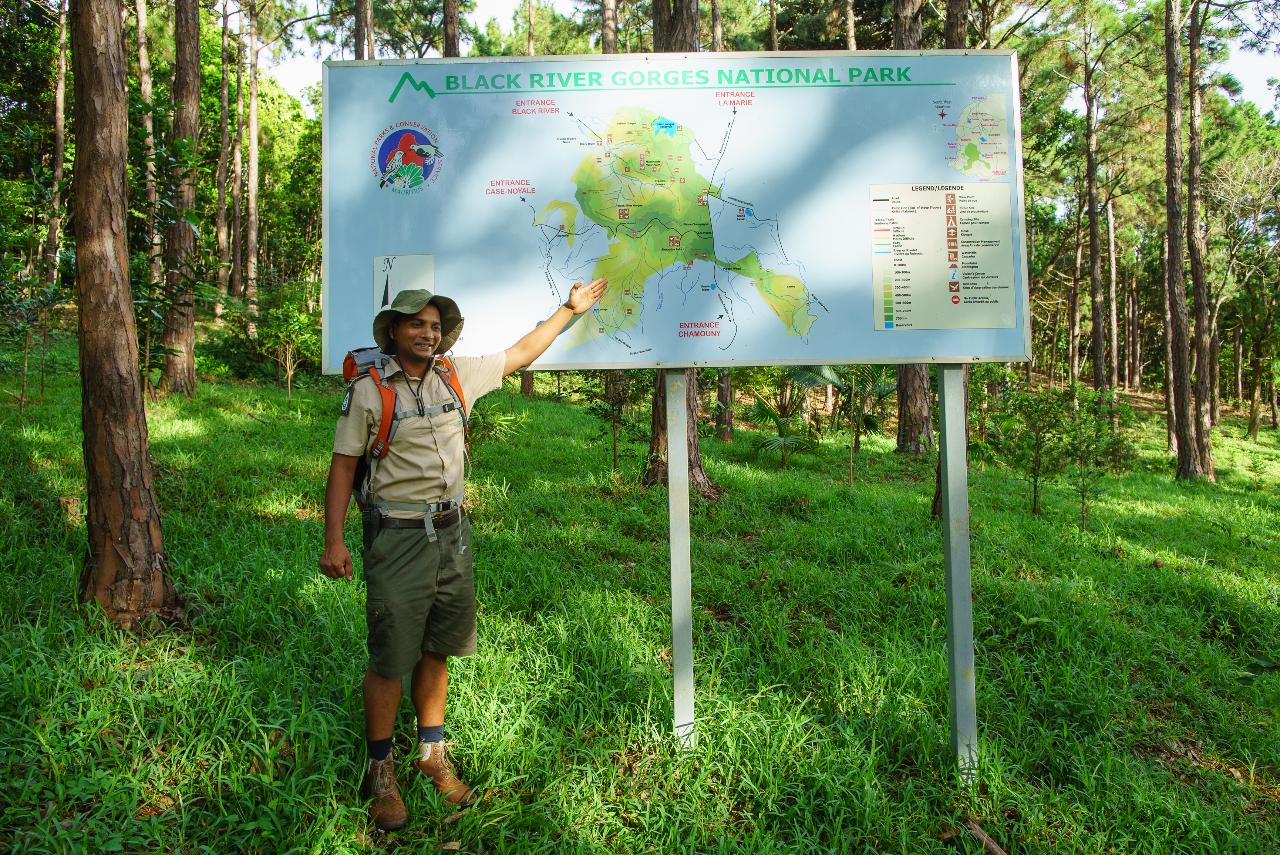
pixel 425 459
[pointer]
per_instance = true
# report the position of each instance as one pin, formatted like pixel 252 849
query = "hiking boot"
pixel 387 809
pixel 433 761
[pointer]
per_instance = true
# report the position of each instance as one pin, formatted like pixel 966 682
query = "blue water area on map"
pixel 664 126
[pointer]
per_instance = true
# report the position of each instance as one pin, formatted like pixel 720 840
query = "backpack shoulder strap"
pixel 444 367
pixel 387 421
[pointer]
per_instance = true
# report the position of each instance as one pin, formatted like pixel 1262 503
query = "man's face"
pixel 418 335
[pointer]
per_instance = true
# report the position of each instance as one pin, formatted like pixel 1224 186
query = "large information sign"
pixel 745 209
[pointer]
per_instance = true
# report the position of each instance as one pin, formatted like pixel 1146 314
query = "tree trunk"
pixel 251 188
pixel 956 33
pixel 224 157
pixel 1239 358
pixel 1275 405
pixel 1255 387
pixel 717 27
pixel 526 383
pixel 528 8
pixel 955 38
pixel 915 421
pixel 1130 301
pixel 915 415
pixel 609 25
pixel 1073 300
pixel 1053 345
pixel 362 33
pixel 451 28
pixel 773 24
pixel 178 373
pixel 1135 381
pixel 1215 392
pixel 1098 308
pixel 236 247
pixel 656 470
pixel 1196 250
pixel 850 25
pixel 125 569
pixel 906 24
pixel 53 237
pixel 724 404
pixel 675 27
pixel 1184 423
pixel 1170 405
pixel 155 259
pixel 1113 364
pixel 357 29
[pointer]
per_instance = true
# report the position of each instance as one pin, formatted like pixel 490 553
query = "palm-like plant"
pixel 866 388
pixel 793 436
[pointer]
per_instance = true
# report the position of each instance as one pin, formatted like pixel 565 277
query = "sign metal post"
pixel 955 544
pixel 681 591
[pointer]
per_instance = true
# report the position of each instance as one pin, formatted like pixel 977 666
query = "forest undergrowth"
pixel 1127 681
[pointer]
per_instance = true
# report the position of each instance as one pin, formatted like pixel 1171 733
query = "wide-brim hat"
pixel 410 303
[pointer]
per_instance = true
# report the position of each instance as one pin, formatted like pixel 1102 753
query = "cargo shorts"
pixel 420 596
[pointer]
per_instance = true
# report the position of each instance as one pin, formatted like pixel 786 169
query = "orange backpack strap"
pixel 369 362
pixel 388 422
pixel 444 367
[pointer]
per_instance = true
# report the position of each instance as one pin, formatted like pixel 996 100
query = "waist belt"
pixel 429 523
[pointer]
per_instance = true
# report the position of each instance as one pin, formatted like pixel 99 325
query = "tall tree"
pixel 773 24
pixel 236 281
pixel 1179 367
pixel 53 237
pixel 362 34
pixel 717 27
pixel 956 28
pixel 155 257
pixel 1196 244
pixel 1113 326
pixel 675 29
pixel 915 415
pixel 451 47
pixel 178 373
pixel 254 9
pixel 609 25
pixel 125 570
pixel 850 25
pixel 528 8
pixel 675 25
pixel 222 238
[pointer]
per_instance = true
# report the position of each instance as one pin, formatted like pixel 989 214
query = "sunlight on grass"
pixel 1127 688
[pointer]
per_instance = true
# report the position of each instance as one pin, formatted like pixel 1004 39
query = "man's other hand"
pixel 336 562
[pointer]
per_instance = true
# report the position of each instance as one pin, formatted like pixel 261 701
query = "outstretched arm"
pixel 526 350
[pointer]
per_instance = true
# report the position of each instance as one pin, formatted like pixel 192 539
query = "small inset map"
pixel 982 139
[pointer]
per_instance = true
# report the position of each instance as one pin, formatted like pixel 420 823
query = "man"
pixel 417 557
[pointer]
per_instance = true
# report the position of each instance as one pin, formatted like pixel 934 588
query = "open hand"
pixel 583 297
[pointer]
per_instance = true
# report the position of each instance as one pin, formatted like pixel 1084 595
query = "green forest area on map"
pixel 641 185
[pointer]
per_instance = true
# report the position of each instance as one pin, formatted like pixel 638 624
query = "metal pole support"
pixel 955 542
pixel 681 593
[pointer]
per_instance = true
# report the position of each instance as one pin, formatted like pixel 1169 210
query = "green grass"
pixel 1123 696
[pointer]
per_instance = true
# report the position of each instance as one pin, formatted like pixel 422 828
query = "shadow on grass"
pixel 819 644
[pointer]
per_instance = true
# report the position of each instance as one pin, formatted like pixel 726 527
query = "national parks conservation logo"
pixel 406 158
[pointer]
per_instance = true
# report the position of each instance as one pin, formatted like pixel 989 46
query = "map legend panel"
pixel 942 256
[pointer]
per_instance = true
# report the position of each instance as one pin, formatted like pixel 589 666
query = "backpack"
pixel 371 362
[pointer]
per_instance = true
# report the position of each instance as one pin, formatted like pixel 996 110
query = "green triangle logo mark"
pixel 421 86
